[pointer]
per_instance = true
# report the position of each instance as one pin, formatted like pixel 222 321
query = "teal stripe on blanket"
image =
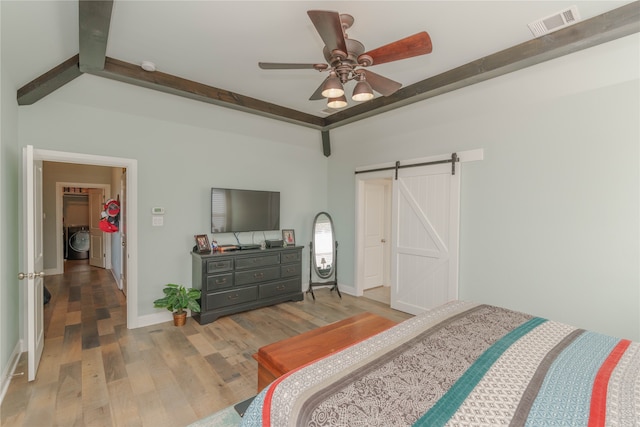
pixel 448 404
pixel 565 395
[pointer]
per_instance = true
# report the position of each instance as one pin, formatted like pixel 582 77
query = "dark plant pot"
pixel 179 319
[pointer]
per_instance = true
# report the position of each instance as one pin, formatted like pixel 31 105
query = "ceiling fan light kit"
pixel 339 102
pixel 332 87
pixel 345 56
pixel 362 91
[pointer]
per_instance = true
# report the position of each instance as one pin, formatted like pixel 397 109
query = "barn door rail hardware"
pixel 453 160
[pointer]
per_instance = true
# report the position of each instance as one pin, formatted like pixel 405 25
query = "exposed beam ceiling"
pixel 94 24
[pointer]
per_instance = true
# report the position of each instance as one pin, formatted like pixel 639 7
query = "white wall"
pixel 10 320
pixel 550 218
pixel 183 149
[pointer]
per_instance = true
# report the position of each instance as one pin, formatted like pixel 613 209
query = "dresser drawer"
pixel 258 275
pixel 290 270
pixel 258 261
pixel 292 256
pixel 279 288
pixel 232 297
pixel 219 281
pixel 215 266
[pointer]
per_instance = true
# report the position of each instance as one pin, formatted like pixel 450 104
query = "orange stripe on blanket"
pixel 598 410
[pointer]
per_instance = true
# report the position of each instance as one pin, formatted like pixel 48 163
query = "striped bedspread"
pixel 463 364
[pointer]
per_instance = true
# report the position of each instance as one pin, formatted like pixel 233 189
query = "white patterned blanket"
pixel 463 364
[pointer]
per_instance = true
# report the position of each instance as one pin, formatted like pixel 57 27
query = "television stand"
pixel 237 281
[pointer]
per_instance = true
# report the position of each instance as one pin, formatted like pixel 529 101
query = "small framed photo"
pixel 202 243
pixel 289 237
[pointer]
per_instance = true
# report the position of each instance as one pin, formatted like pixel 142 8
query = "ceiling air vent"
pixel 554 22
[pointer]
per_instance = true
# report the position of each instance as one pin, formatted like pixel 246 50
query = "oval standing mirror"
pixel 323 245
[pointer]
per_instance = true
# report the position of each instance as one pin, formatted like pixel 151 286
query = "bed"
pixel 463 364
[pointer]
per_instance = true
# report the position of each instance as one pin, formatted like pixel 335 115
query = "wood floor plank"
pixel 124 410
pixel 68 411
pixel 158 375
pixel 95 395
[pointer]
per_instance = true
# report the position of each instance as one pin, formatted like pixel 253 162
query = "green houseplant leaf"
pixel 177 298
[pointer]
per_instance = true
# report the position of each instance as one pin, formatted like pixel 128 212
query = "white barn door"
pixel 424 266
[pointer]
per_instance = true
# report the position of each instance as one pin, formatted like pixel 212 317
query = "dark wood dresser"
pixel 232 282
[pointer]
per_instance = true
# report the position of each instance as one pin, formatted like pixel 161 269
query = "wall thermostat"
pixel 157 211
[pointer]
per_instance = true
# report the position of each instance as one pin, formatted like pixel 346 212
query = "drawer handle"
pixel 220 264
pixel 290 270
pixel 281 287
pixel 235 296
pixel 221 281
pixel 258 275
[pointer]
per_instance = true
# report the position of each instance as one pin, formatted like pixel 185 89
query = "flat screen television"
pixel 234 211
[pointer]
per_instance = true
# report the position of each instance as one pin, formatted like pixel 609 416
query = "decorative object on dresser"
pixel 202 243
pixel 237 281
pixel 323 253
pixel 178 299
pixel 289 237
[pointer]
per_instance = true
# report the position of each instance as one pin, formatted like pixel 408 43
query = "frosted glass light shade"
pixel 332 87
pixel 362 91
pixel 338 102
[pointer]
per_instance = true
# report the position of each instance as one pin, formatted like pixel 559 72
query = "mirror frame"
pixel 333 246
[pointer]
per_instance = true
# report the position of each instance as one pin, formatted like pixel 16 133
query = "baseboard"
pixel 9 370
pixel 118 281
pixel 155 318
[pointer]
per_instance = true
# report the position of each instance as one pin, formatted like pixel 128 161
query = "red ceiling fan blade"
pixel 329 27
pixel 317 95
pixel 290 66
pixel 417 44
pixel 380 84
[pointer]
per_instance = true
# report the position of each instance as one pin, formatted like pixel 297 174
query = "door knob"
pixel 383 240
pixel 22 276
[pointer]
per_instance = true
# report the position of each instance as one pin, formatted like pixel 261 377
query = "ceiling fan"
pixel 347 59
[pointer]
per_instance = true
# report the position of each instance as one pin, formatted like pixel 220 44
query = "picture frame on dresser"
pixel 289 237
pixel 202 244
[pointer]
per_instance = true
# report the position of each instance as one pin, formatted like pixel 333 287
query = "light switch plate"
pixel 157 221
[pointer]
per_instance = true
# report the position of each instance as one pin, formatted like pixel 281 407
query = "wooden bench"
pixel 275 360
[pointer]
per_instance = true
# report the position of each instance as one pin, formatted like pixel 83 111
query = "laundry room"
pixel 75 223
pixel 73 199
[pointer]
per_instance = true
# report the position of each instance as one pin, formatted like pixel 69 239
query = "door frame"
pixel 59 237
pixel 361 178
pixel 132 215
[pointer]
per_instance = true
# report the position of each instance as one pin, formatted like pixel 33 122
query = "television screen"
pixel 234 211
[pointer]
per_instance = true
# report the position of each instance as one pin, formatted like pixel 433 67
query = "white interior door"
pixel 96 236
pixel 424 266
pixel 33 273
pixel 374 237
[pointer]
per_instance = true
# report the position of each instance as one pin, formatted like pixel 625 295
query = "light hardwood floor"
pixel 96 372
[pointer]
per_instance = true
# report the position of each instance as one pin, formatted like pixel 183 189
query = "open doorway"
pixel 75 234
pixel 116 166
pixel 374 232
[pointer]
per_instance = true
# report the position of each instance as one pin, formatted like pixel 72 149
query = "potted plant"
pixel 177 299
